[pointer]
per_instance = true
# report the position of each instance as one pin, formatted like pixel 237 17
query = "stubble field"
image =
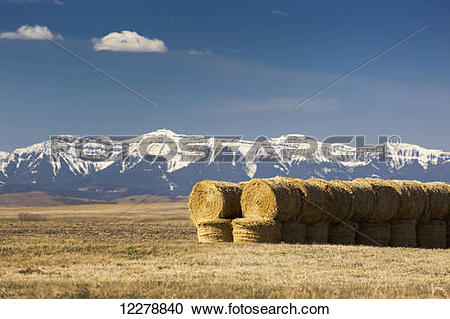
pixel 151 252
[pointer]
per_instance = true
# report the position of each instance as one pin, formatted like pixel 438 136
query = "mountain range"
pixel 170 164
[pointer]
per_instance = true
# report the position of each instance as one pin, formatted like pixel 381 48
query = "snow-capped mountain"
pixel 3 155
pixel 166 163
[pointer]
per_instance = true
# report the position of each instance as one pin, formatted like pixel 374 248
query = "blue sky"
pixel 227 67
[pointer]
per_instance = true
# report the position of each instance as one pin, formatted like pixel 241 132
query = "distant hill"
pixel 41 199
pixel 35 199
pixel 152 199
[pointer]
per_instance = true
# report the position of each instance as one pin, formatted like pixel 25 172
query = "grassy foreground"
pixel 151 252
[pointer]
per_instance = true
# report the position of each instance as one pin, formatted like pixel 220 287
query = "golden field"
pixel 151 252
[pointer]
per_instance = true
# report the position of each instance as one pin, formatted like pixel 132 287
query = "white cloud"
pixel 198 52
pixel 278 13
pixel 128 41
pixel 27 32
pixel 55 2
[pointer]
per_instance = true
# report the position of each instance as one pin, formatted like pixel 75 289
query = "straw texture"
pixel 414 201
pixel 319 201
pixel 211 200
pixel 403 233
pixel 219 230
pixel 438 200
pixel 342 234
pixel 317 233
pixel 272 198
pixel 293 233
pixel 378 234
pixel 364 201
pixel 247 230
pixel 388 195
pixel 432 234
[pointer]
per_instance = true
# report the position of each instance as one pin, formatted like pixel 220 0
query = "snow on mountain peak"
pixel 195 157
pixel 162 131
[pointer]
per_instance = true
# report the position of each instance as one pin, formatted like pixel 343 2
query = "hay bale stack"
pixel 388 196
pixel 448 233
pixel 343 199
pixel 319 200
pixel 325 200
pixel 403 233
pixel 414 201
pixel 378 234
pixel 438 200
pixel 272 198
pixel 293 232
pixel 317 233
pixel 364 201
pixel 342 234
pixel 242 184
pixel 211 200
pixel 219 230
pixel 432 234
pixel 247 230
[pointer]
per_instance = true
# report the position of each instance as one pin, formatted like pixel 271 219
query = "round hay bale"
pixel 448 234
pixel 432 234
pixel 319 200
pixel 325 200
pixel 293 233
pixel 272 198
pixel 243 183
pixel 211 200
pixel 342 234
pixel 438 200
pixel 373 234
pixel 317 233
pixel 403 233
pixel 414 200
pixel 364 201
pixel 219 230
pixel 247 230
pixel 388 196
pixel 343 199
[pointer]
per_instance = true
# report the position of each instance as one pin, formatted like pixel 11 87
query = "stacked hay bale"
pixel 403 233
pixel 215 230
pixel 213 205
pixel 343 234
pixel 266 204
pixel 328 205
pixel 342 230
pixel 388 196
pixel 248 230
pixel 293 232
pixel 376 229
pixel 307 209
pixel 365 211
pixel 433 228
pixel 315 211
pixel 364 201
pixel 374 234
pixel 432 234
pixel 448 232
pixel 317 233
pixel 413 208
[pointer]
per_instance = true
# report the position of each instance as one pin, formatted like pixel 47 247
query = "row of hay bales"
pixel 364 211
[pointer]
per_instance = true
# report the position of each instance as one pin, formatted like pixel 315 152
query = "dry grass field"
pixel 151 252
